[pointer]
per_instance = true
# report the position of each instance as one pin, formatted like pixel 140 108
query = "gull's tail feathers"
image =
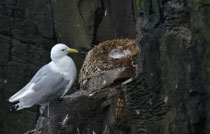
pixel 12 108
pixel 7 107
pixel 17 107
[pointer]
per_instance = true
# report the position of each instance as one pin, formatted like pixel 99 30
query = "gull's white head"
pixel 60 50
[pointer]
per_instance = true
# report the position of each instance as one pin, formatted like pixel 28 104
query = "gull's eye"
pixel 62 49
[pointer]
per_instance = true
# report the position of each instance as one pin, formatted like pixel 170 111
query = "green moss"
pixel 205 29
pixel 205 2
pixel 139 4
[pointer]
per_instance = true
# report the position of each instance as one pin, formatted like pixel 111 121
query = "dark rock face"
pixel 172 92
pixel 83 114
pixel 118 20
pixel 28 30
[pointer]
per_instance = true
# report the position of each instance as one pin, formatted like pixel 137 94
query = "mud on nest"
pixel 109 55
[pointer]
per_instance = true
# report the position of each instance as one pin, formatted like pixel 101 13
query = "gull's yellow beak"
pixel 72 50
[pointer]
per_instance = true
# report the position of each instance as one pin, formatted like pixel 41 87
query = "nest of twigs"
pixel 109 55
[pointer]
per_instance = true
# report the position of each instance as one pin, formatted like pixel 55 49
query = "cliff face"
pixel 174 44
pixel 170 93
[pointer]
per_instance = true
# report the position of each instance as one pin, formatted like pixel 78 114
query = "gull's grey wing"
pixel 48 86
pixel 41 72
pixel 46 90
pixel 52 86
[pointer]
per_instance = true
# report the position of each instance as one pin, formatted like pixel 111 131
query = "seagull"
pixel 51 82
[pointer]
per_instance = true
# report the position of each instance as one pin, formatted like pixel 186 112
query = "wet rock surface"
pixel 107 78
pixel 99 111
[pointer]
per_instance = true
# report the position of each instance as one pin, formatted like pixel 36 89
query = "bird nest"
pixel 109 55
